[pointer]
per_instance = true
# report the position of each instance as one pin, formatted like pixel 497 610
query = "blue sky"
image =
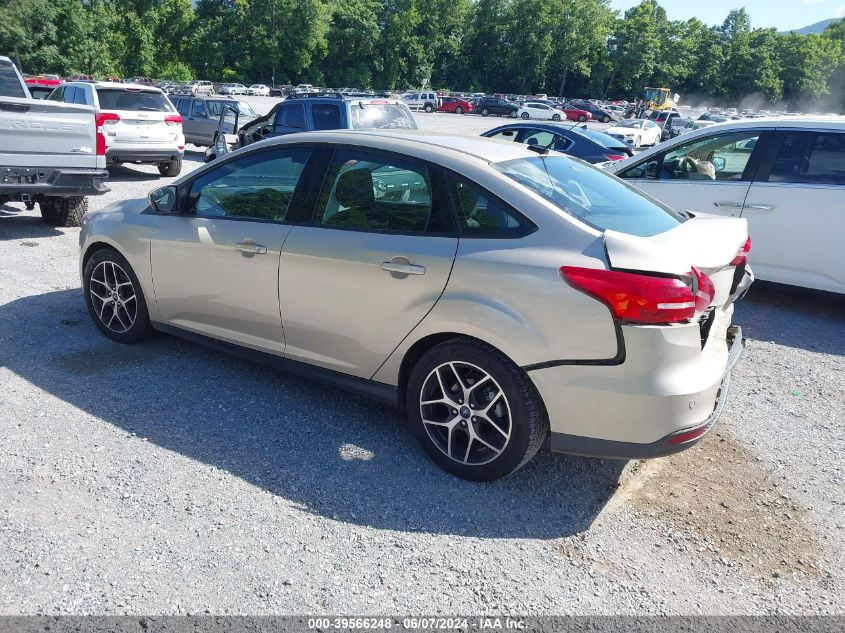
pixel 781 14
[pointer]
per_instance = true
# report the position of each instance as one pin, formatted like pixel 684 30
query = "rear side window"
pixel 587 193
pixel 480 214
pixel 10 85
pixel 184 106
pixel 111 99
pixel 810 157
pixel 198 108
pixel 291 118
pixel 326 116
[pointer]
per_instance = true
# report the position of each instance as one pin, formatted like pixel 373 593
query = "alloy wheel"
pixel 465 413
pixel 113 297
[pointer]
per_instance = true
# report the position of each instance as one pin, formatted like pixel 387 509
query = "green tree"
pixel 580 29
pixel 352 43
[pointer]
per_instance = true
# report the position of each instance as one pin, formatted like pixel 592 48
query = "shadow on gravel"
pixel 329 453
pixel 795 317
pixel 15 225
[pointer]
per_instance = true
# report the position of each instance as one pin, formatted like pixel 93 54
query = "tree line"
pixel 560 47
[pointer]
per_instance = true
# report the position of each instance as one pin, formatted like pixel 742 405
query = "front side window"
pixel 259 186
pixel 810 157
pixel 591 195
pixel 722 157
pixel 381 193
pixel 480 214
pixel 198 108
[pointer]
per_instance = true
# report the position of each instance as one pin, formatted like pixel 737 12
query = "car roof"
pixel 471 147
pixel 113 85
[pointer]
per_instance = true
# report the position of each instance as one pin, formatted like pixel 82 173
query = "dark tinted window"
pixel 326 116
pixel 381 193
pixel 811 157
pixel 111 99
pixel 69 94
pixel 10 85
pixel 79 97
pixel 480 214
pixel 257 186
pixel 184 106
pixel 58 94
pixel 291 118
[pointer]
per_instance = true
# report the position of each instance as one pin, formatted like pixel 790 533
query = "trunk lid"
pixel 142 115
pixel 47 134
pixel 708 242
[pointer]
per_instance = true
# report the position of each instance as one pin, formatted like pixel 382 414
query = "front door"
pixel 371 263
pixel 708 175
pixel 215 268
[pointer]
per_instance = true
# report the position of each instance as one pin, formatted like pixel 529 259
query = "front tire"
pixel 63 211
pixel 605 119
pixel 459 110
pixel 474 411
pixel 581 118
pixel 172 168
pixel 114 297
pixel 485 112
pixel 555 117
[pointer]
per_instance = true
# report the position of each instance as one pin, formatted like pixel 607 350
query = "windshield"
pixel 591 195
pixel 122 99
pixel 636 124
pixel 243 108
pixel 10 85
pixel 363 115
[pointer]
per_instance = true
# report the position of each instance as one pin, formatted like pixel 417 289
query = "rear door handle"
pixel 403 268
pixel 728 205
pixel 249 246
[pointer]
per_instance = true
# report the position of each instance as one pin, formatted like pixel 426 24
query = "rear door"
pixel 796 210
pixel 362 271
pixel 711 174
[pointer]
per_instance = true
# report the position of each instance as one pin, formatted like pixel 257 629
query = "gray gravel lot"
pixel 166 478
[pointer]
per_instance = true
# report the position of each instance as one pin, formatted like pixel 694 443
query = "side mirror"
pixel 165 200
pixel 719 163
pixel 651 169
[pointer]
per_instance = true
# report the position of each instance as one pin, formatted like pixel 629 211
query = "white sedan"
pixel 259 90
pixel 532 110
pixel 636 132
pixel 233 89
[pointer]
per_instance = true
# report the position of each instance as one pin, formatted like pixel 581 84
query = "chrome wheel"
pixel 465 413
pixel 113 297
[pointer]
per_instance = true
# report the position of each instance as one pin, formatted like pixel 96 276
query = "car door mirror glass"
pixel 719 162
pixel 165 200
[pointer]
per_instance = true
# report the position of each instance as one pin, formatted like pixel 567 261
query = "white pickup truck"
pixel 52 154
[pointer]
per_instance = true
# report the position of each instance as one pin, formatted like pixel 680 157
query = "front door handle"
pixel 759 207
pixel 728 205
pixel 402 266
pixel 249 246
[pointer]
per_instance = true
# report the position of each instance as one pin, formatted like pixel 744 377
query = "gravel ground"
pixel 166 478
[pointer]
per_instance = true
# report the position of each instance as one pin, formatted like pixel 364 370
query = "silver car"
pixel 497 294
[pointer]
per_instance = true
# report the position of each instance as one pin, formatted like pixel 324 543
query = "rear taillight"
pixel 173 119
pixel 615 156
pixel 636 298
pixel 102 119
pixel 742 253
pixel 687 436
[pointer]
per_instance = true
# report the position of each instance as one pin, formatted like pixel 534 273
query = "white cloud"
pixel 839 13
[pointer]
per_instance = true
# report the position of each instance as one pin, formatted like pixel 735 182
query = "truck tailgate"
pixel 47 134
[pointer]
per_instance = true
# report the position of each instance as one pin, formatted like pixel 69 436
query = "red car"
pixel 576 114
pixel 453 104
pixel 43 80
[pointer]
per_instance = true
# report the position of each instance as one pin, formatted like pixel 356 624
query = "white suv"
pixel 201 87
pixel 139 123
pixel 428 101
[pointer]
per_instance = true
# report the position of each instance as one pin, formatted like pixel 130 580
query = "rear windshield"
pixel 123 99
pixel 366 116
pixel 599 137
pixel 10 85
pixel 591 195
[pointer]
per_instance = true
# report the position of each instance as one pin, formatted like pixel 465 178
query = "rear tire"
pixel 172 168
pixel 63 211
pixel 524 116
pixel 581 118
pixel 482 423
pixel 459 110
pixel 122 313
pixel 429 108
pixel 555 117
pixel 485 112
